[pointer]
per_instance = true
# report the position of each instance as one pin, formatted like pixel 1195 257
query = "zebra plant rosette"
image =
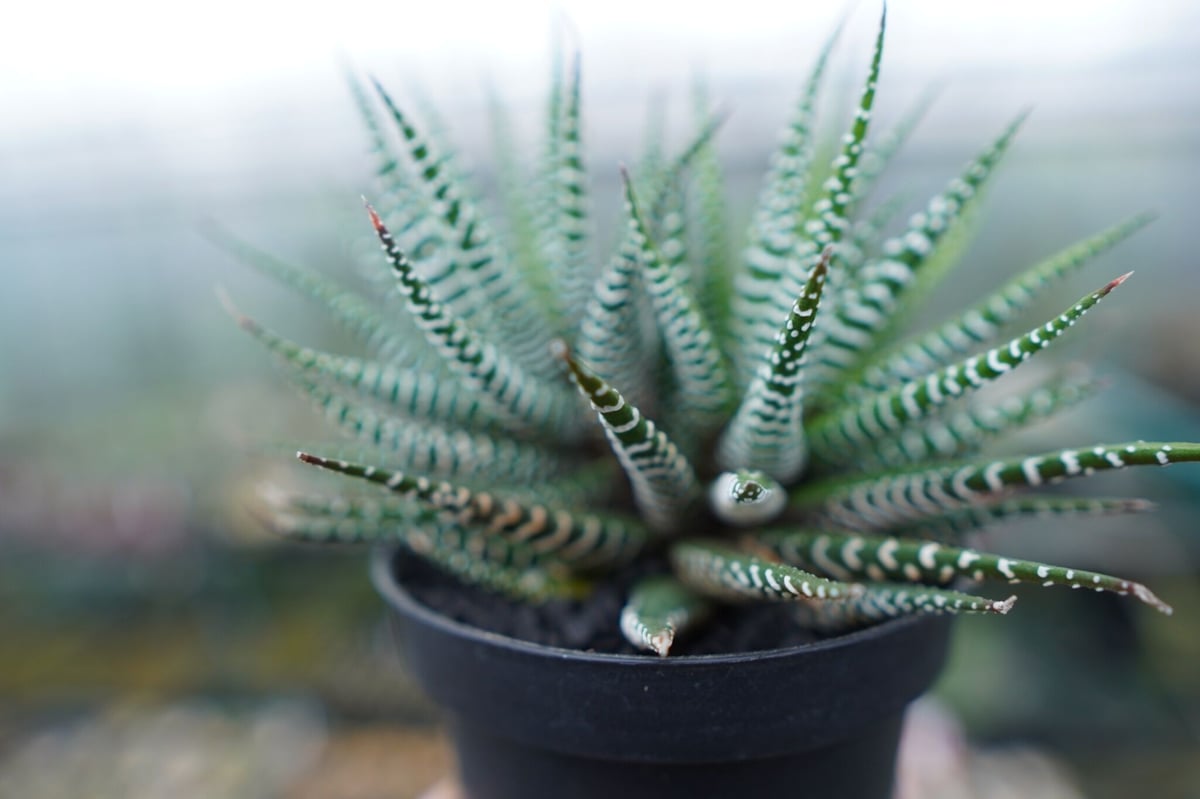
pixel 755 426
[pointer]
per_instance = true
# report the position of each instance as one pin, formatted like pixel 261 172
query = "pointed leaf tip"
pixel 1112 285
pixel 1146 595
pixel 376 222
pixel 661 642
pixel 243 321
pixel 1003 606
pixel 560 349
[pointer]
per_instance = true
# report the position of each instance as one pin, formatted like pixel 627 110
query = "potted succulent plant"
pixel 680 437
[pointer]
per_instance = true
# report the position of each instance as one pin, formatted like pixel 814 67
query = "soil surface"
pixel 592 624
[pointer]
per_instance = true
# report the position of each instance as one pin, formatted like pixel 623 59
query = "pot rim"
pixel 383 578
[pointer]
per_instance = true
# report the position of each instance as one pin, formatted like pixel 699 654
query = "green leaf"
pixel 567 247
pixel 520 214
pixel 583 541
pixel 704 391
pixel 767 431
pixel 663 482
pixel 355 315
pixel 835 434
pixel 774 233
pixel 471 277
pixel 983 321
pixel 848 556
pixel 413 393
pixel 881 601
pixel 885 501
pixel 863 308
pixel 964 432
pixel 713 568
pixel 877 157
pixel 714 248
pixel 430 448
pixel 957 525
pixel 784 245
pixel 659 609
pixel 518 399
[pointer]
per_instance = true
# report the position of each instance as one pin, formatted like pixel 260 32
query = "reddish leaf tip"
pixel 375 220
pixel 1113 284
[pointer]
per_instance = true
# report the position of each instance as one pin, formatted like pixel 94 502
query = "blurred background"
pixel 155 642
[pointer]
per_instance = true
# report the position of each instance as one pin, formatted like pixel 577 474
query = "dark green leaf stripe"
pixel 517 398
pixel 664 484
pixel 983 322
pixel 767 431
pixel 715 569
pixel 580 540
pixel 695 361
pixel 880 502
pixel 882 601
pixel 888 412
pixel 660 608
pixel 847 556
pixel 864 307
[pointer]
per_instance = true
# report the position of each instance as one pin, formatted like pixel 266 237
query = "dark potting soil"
pixel 592 624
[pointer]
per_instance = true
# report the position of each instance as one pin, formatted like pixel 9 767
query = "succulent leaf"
pixel 583 541
pixel 828 220
pixel 881 601
pixel 888 412
pixel 957 525
pixel 471 278
pixel 864 307
pixel 767 430
pixel 849 556
pixel 703 389
pixel 354 314
pixel 570 258
pixel 414 393
pixel 517 398
pixel 434 449
pixel 883 501
pixel 983 321
pixel 715 569
pixel 663 481
pixel 777 223
pixel 658 609
pixel 965 431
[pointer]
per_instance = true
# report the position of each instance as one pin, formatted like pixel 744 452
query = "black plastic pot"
pixel 532 721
